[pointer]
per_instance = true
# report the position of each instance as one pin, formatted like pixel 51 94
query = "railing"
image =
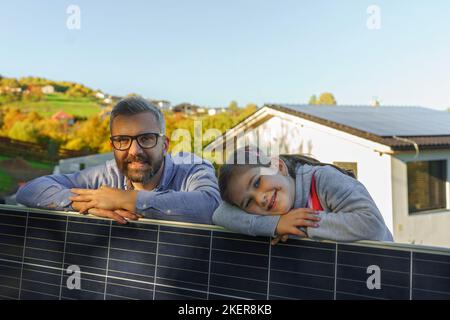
pixel 35 151
pixel 56 255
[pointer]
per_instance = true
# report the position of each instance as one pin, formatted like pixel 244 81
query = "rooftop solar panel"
pixel 383 121
pixel 163 260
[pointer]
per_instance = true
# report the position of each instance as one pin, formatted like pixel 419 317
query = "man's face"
pixel 137 164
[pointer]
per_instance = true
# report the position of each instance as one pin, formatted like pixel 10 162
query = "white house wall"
pixel 421 228
pixel 297 135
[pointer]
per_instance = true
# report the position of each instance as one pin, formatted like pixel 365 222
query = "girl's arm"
pixel 355 215
pixel 293 223
pixel 237 220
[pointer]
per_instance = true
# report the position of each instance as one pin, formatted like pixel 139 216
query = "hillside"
pixel 52 103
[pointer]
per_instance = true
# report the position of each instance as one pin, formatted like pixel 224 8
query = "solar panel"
pixel 383 121
pixel 167 260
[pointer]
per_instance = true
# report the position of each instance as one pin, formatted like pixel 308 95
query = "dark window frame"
pixel 427 175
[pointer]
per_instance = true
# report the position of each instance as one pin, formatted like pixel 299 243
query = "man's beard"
pixel 141 175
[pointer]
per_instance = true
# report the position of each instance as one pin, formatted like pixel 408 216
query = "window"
pixel 352 166
pixel 426 185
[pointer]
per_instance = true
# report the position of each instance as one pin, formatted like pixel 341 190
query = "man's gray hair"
pixel 135 105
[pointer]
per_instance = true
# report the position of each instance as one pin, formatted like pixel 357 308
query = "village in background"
pixel 43 121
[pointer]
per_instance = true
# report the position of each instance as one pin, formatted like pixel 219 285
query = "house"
pixel 214 111
pixel 162 104
pixel 401 155
pixel 108 100
pixel 63 117
pixel 99 95
pixel 71 165
pixel 48 89
pixel 7 89
pixel 187 109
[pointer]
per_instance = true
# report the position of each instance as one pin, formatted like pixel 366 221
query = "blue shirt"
pixel 187 191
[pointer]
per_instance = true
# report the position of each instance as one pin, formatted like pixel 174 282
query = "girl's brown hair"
pixel 292 161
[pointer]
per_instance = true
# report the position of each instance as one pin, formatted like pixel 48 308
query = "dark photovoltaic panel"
pixel 239 266
pixel 352 273
pixel 384 121
pixel 430 276
pixel 302 270
pixel 175 261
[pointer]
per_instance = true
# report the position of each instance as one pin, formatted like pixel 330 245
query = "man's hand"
pixel 105 198
pixel 300 217
pixel 120 216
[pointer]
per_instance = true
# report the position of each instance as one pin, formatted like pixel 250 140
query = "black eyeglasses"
pixel 145 140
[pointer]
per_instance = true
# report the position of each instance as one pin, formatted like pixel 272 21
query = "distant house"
pixel 71 165
pixel 48 89
pixel 214 111
pixel 111 99
pixel 99 95
pixel 162 104
pixel 63 117
pixel 108 100
pixel 401 155
pixel 6 89
pixel 187 109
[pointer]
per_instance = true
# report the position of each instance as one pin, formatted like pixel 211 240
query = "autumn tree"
pixel 327 98
pixel 92 134
pixel 9 83
pixel 33 93
pixel 78 90
pixel 233 107
pixel 25 131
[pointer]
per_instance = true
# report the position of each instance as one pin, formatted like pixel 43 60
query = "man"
pixel 143 180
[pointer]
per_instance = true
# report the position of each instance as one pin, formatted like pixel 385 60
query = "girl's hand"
pixel 283 238
pixel 300 217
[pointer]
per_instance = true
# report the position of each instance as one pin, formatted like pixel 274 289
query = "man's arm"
pixel 195 203
pixel 53 191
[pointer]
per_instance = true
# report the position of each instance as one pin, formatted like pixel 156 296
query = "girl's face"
pixel 264 191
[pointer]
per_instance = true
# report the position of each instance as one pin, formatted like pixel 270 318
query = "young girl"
pixel 296 195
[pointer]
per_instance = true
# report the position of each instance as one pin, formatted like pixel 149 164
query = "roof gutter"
pixel 416 146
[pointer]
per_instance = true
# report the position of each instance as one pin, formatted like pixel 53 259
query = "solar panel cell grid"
pixel 152 261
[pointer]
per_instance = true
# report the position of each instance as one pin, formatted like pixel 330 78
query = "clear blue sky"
pixel 211 52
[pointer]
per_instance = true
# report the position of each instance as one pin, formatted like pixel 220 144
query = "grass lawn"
pixel 52 103
pixel 6 182
pixel 39 165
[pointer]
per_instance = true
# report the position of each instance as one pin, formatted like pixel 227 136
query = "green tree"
pixel 313 100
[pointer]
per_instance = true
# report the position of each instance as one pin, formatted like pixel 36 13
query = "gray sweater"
pixel 350 214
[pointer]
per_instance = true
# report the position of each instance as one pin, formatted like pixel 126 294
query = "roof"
pixel 397 127
pixel 61 115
